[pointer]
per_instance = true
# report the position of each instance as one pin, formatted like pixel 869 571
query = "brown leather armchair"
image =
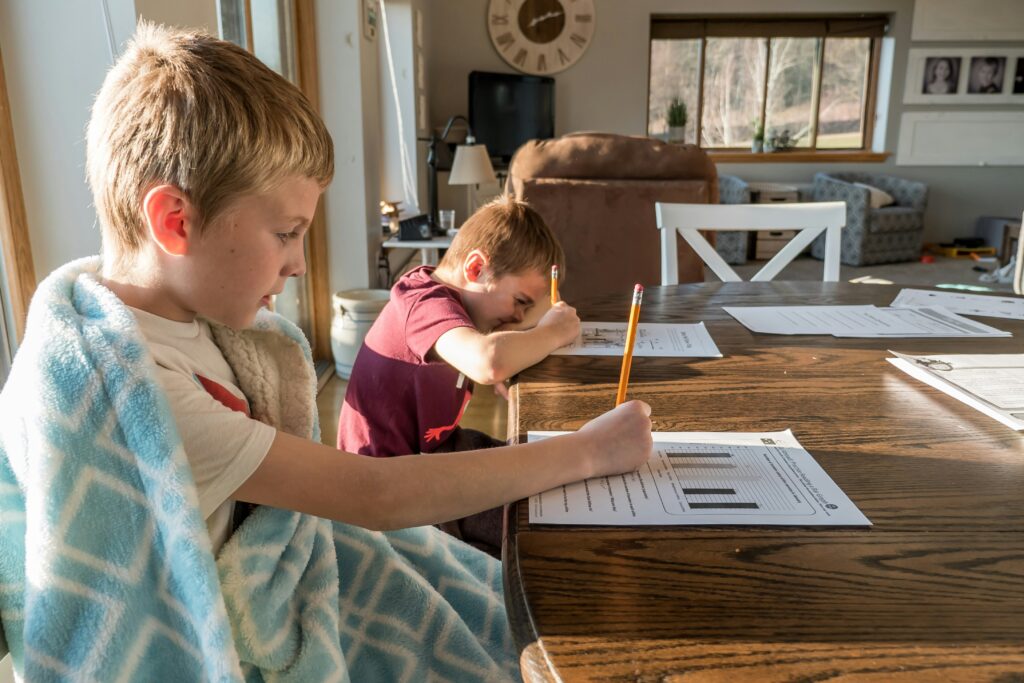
pixel 597 192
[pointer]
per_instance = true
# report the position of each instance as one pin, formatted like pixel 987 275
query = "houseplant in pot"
pixel 676 119
pixel 780 141
pixel 757 142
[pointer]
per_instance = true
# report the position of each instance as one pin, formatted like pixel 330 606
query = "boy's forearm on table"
pixel 516 351
pixel 412 490
pixel 432 488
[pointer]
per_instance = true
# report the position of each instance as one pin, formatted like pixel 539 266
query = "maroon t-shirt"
pixel 398 401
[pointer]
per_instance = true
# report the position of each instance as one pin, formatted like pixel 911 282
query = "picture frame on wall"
pixel 954 75
pixel 1018 77
pixel 987 75
pixel 941 75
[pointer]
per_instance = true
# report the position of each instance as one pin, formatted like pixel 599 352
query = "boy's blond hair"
pixel 512 234
pixel 184 108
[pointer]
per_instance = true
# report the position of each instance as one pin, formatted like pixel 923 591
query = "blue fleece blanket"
pixel 106 568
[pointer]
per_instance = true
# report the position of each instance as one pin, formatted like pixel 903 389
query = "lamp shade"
pixel 471 166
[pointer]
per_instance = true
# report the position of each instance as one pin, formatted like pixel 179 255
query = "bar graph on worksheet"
pixel 693 479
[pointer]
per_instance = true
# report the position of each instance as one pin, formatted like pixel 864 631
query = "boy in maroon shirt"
pixel 450 327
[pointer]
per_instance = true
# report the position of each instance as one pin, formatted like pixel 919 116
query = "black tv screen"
pixel 506 110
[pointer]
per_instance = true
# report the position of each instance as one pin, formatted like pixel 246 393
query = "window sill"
pixel 797 157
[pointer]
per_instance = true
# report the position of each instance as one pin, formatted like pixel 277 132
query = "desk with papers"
pixel 934 588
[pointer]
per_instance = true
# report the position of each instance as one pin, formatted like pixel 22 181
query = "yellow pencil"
pixel 627 354
pixel 554 285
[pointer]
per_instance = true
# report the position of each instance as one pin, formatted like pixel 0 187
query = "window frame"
pixel 874 27
pixel 18 267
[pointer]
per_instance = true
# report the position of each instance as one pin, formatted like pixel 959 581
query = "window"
pixel 806 83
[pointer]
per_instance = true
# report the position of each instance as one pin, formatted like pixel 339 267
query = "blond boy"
pixel 206 169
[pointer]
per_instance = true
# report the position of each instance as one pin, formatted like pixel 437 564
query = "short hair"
pixel 513 236
pixel 184 108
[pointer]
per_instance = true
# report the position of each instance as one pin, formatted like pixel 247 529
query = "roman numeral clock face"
pixel 541 36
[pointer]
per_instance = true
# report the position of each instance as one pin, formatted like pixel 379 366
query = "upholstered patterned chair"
pixel 883 235
pixel 732 246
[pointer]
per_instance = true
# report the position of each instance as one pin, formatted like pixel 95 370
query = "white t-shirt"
pixel 224 446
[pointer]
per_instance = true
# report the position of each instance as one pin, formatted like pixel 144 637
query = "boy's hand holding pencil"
pixel 562 322
pixel 619 440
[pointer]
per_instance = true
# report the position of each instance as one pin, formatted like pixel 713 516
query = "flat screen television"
pixel 506 110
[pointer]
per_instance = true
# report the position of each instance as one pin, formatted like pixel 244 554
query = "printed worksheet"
pixel 666 340
pixel 807 319
pixel 696 478
pixel 860 321
pixel 990 305
pixel 936 321
pixel 992 383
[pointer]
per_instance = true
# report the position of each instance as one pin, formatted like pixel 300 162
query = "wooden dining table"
pixel 934 590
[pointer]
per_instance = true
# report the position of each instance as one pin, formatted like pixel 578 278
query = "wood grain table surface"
pixel 933 591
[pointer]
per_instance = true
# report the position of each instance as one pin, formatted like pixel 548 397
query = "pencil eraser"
pixel 638 287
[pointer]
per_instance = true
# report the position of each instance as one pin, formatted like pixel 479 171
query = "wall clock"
pixel 541 36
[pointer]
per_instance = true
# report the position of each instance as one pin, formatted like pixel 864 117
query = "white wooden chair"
pixel 810 219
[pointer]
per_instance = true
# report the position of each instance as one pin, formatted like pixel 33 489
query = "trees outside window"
pixel 807 82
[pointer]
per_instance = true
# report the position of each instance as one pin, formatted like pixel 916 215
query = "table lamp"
pixel 471 166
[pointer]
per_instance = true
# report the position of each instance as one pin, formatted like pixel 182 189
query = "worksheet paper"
pixel 935 321
pixel 993 306
pixel 698 478
pixel 664 340
pixel 992 383
pixel 860 321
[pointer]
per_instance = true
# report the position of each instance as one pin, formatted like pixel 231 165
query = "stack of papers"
pixel 663 340
pixel 860 321
pixel 990 382
pixel 696 478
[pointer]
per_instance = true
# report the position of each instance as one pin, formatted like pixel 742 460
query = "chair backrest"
pixel 597 192
pixel 1018 271
pixel 809 219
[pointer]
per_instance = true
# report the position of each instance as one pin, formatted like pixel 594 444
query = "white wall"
pixel 607 91
pixel 50 92
pixel 350 106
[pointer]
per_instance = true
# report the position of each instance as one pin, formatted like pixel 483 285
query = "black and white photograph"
pixel 941 75
pixel 986 76
pixel 1018 77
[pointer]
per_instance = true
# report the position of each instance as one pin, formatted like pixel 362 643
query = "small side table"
pixel 429 253
pixel 429 249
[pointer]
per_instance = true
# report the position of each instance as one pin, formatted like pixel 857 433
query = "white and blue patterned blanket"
pixel 106 568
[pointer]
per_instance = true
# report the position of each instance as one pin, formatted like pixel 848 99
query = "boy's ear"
pixel 474 266
pixel 169 218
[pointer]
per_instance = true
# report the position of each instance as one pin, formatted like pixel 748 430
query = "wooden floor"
pixel 485 412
